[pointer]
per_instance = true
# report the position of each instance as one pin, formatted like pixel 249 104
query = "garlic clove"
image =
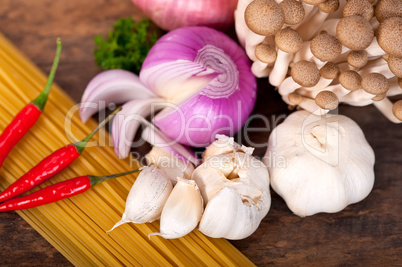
pixel 229 170
pixel 229 215
pixel 168 163
pixel 147 197
pixel 182 210
pixel 235 189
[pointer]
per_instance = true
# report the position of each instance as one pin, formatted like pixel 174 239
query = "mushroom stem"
pixel 240 23
pixel 385 107
pixel 304 53
pixel 308 29
pixel 394 88
pixel 304 103
pixel 252 40
pixel 261 69
pixel 337 89
pixel 329 26
pixel 382 69
pixel 288 42
pixel 280 68
pixel 288 86
pixel 358 98
pixel 308 10
pixel 310 105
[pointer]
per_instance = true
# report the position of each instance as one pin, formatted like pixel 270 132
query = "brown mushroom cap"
pixel 327 100
pixel 264 17
pixel 375 83
pixel 329 6
pixel 293 11
pixel 305 73
pixel 350 79
pixel 359 7
pixel 355 32
pixel 357 58
pixel 400 82
pixel 330 71
pixel 397 109
pixel 388 9
pixel 288 40
pixel 379 97
pixel 265 53
pixel 295 98
pixel 389 36
pixel 313 2
pixel 325 47
pixel 395 65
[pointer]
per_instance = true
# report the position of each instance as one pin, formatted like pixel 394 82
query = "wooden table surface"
pixel 366 233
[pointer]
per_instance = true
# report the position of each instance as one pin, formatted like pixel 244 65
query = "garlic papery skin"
pixel 235 189
pixel 168 163
pixel 182 210
pixel 147 197
pixel 326 163
pixel 224 145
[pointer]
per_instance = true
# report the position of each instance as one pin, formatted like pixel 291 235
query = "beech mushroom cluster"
pixel 350 50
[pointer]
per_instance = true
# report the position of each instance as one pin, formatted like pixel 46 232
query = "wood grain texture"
pixel 366 233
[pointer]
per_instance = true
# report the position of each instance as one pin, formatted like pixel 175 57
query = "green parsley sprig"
pixel 126 46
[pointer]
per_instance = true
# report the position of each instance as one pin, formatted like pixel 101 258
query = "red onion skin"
pixel 173 14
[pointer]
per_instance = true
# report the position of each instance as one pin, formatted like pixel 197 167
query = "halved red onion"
pixel 218 88
pixel 202 76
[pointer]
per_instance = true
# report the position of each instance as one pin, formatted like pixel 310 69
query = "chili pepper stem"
pixel 99 179
pixel 80 145
pixel 41 100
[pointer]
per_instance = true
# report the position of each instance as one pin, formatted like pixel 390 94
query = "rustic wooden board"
pixel 366 233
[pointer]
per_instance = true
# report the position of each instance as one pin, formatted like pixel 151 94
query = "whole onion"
pixel 173 14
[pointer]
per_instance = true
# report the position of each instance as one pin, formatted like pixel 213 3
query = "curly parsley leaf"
pixel 126 46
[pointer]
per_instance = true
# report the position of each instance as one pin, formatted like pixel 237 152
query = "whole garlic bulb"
pixel 321 164
pixel 147 197
pixel 235 189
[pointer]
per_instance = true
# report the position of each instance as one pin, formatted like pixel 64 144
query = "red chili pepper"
pixel 57 192
pixel 28 116
pixel 49 166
